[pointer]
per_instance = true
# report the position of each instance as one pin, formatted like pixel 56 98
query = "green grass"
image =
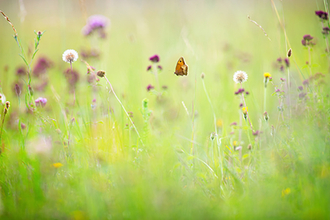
pixel 185 165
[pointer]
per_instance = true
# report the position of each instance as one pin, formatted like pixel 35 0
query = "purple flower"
pixel 279 59
pixel 160 67
pixel 239 91
pixel 307 37
pixel 41 67
pixel 305 82
pixel 150 87
pixel 282 68
pixel 277 90
pixel 241 105
pixel 326 30
pixel 322 14
pixel 41 101
pixel 154 58
pixel 283 80
pixel 149 68
pixel 96 22
pixel 17 89
pixel 256 133
pixel 300 88
pixel 247 93
pixel 302 95
pixel 287 62
pixel 21 71
pixel 233 124
pixel 303 42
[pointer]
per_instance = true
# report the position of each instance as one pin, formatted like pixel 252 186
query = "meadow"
pixel 107 130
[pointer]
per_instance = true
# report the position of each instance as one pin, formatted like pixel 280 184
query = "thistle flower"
pixel 70 56
pixel 154 58
pixel 307 40
pixel 300 88
pixel 149 68
pixel 322 14
pixel 150 87
pixel 240 76
pixel 96 23
pixel 41 67
pixel 326 30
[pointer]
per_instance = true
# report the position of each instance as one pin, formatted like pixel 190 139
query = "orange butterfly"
pixel 181 68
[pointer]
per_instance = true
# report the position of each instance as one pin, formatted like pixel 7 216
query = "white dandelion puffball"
pixel 240 76
pixel 70 56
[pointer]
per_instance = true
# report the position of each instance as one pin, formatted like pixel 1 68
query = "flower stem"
pixel 124 110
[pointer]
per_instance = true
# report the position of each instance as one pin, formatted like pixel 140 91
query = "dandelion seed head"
pixel 70 56
pixel 240 76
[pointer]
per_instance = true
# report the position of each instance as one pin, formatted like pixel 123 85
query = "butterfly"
pixel 181 68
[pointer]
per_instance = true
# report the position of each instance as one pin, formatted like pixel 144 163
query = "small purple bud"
pixel 279 59
pixel 287 62
pixel 247 93
pixel 160 67
pixel 149 68
pixel 241 105
pixel 233 124
pixel 305 82
pixel 150 87
pixel 307 37
pixel 303 42
pixel 300 88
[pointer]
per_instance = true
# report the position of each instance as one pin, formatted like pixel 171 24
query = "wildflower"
pixel 266 117
pixel 150 87
pixel 238 148
pixel 154 58
pixel 149 68
pixel 322 14
pixel 23 126
pixel 234 143
pixel 326 30
pixel 300 88
pixel 287 62
pixel 286 192
pixel 21 71
pixel 130 114
pixel 245 111
pixel 70 56
pixel 17 89
pixel 307 37
pixel 2 99
pixel 233 124
pixel 241 105
pixel 57 165
pixel 72 76
pixel 160 67
pixel 219 123
pixel 302 95
pixel 247 93
pixel 305 82
pixel 267 76
pixel 277 90
pixel 282 79
pixel 7 105
pixel 41 67
pixel 96 23
pixel 289 52
pixel 100 73
pixel 41 101
pixel 240 76
pixel 239 91
pixel 279 59
pixel 306 41
pixel 256 133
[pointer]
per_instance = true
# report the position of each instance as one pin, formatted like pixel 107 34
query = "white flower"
pixel 240 76
pixel 70 56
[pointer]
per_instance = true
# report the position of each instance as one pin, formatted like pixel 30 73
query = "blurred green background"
pixel 180 172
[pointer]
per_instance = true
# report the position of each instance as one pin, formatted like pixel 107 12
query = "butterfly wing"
pixel 181 67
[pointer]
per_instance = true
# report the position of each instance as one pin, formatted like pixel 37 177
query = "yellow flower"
pixel 219 123
pixel 234 143
pixel 57 165
pixel 286 192
pixel 245 110
pixel 267 75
